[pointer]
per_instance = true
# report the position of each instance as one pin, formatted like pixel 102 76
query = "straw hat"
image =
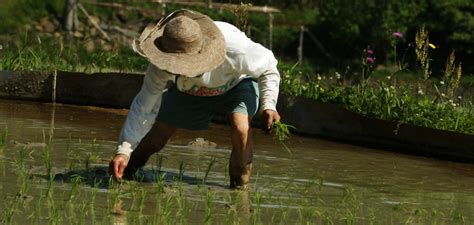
pixel 185 42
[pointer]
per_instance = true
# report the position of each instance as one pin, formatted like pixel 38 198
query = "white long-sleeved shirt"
pixel 244 59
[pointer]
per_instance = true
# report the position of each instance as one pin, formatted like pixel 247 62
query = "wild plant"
pixel 422 42
pixel 241 13
pixel 452 76
pixel 367 61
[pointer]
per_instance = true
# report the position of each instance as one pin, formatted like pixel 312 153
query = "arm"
pixel 140 118
pixel 259 62
pixel 143 111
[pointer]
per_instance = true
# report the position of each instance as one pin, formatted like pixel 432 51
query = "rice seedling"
pixel 23 175
pixel 182 167
pixel 209 167
pixel 3 139
pixel 165 209
pixel 143 194
pixel 94 191
pixel 10 211
pixel 281 132
pixel 209 206
pixel 258 204
pixel 76 181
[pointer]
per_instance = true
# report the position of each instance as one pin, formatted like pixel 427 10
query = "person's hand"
pixel 117 166
pixel 270 116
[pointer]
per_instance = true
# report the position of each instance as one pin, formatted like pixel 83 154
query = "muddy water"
pixel 321 182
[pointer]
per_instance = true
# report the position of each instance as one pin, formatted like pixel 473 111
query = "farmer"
pixel 196 66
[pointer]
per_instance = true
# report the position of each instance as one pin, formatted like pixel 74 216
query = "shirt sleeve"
pixel 259 62
pixel 143 111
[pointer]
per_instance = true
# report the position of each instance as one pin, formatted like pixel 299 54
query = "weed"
pixel 422 51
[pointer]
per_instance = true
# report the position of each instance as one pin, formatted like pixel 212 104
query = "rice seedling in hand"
pixel 281 132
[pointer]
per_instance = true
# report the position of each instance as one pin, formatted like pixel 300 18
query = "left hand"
pixel 270 116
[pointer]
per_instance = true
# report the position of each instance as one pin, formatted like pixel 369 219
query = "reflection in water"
pixel 119 216
pixel 322 179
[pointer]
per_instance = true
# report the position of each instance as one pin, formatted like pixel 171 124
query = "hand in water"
pixel 117 166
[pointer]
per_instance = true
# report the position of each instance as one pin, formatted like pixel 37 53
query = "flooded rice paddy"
pixel 53 170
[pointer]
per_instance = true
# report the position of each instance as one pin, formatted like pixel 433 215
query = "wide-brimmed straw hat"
pixel 185 42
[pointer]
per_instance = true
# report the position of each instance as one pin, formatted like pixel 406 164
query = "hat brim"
pixel 210 56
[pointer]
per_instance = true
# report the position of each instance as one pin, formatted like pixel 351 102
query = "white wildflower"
pixel 454 104
pixel 420 91
pixel 459 97
pixel 450 101
pixel 443 95
pixel 338 75
pixel 386 89
pixel 441 119
pixel 392 87
pixel 319 77
pixel 1 47
pixel 441 82
pixel 389 77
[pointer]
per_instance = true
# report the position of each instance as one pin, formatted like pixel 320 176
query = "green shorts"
pixel 191 112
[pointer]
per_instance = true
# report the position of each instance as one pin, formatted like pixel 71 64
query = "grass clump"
pixel 54 53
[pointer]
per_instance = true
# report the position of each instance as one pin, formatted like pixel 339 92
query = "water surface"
pixel 321 182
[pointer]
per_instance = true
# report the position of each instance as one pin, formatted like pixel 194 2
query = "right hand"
pixel 117 166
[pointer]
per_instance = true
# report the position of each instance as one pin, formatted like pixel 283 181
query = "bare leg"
pixel 153 142
pixel 240 163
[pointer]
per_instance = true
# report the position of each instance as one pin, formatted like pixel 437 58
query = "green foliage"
pixel 385 99
pixel 18 13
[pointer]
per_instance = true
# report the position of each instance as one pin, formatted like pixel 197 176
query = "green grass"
pixel 33 52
